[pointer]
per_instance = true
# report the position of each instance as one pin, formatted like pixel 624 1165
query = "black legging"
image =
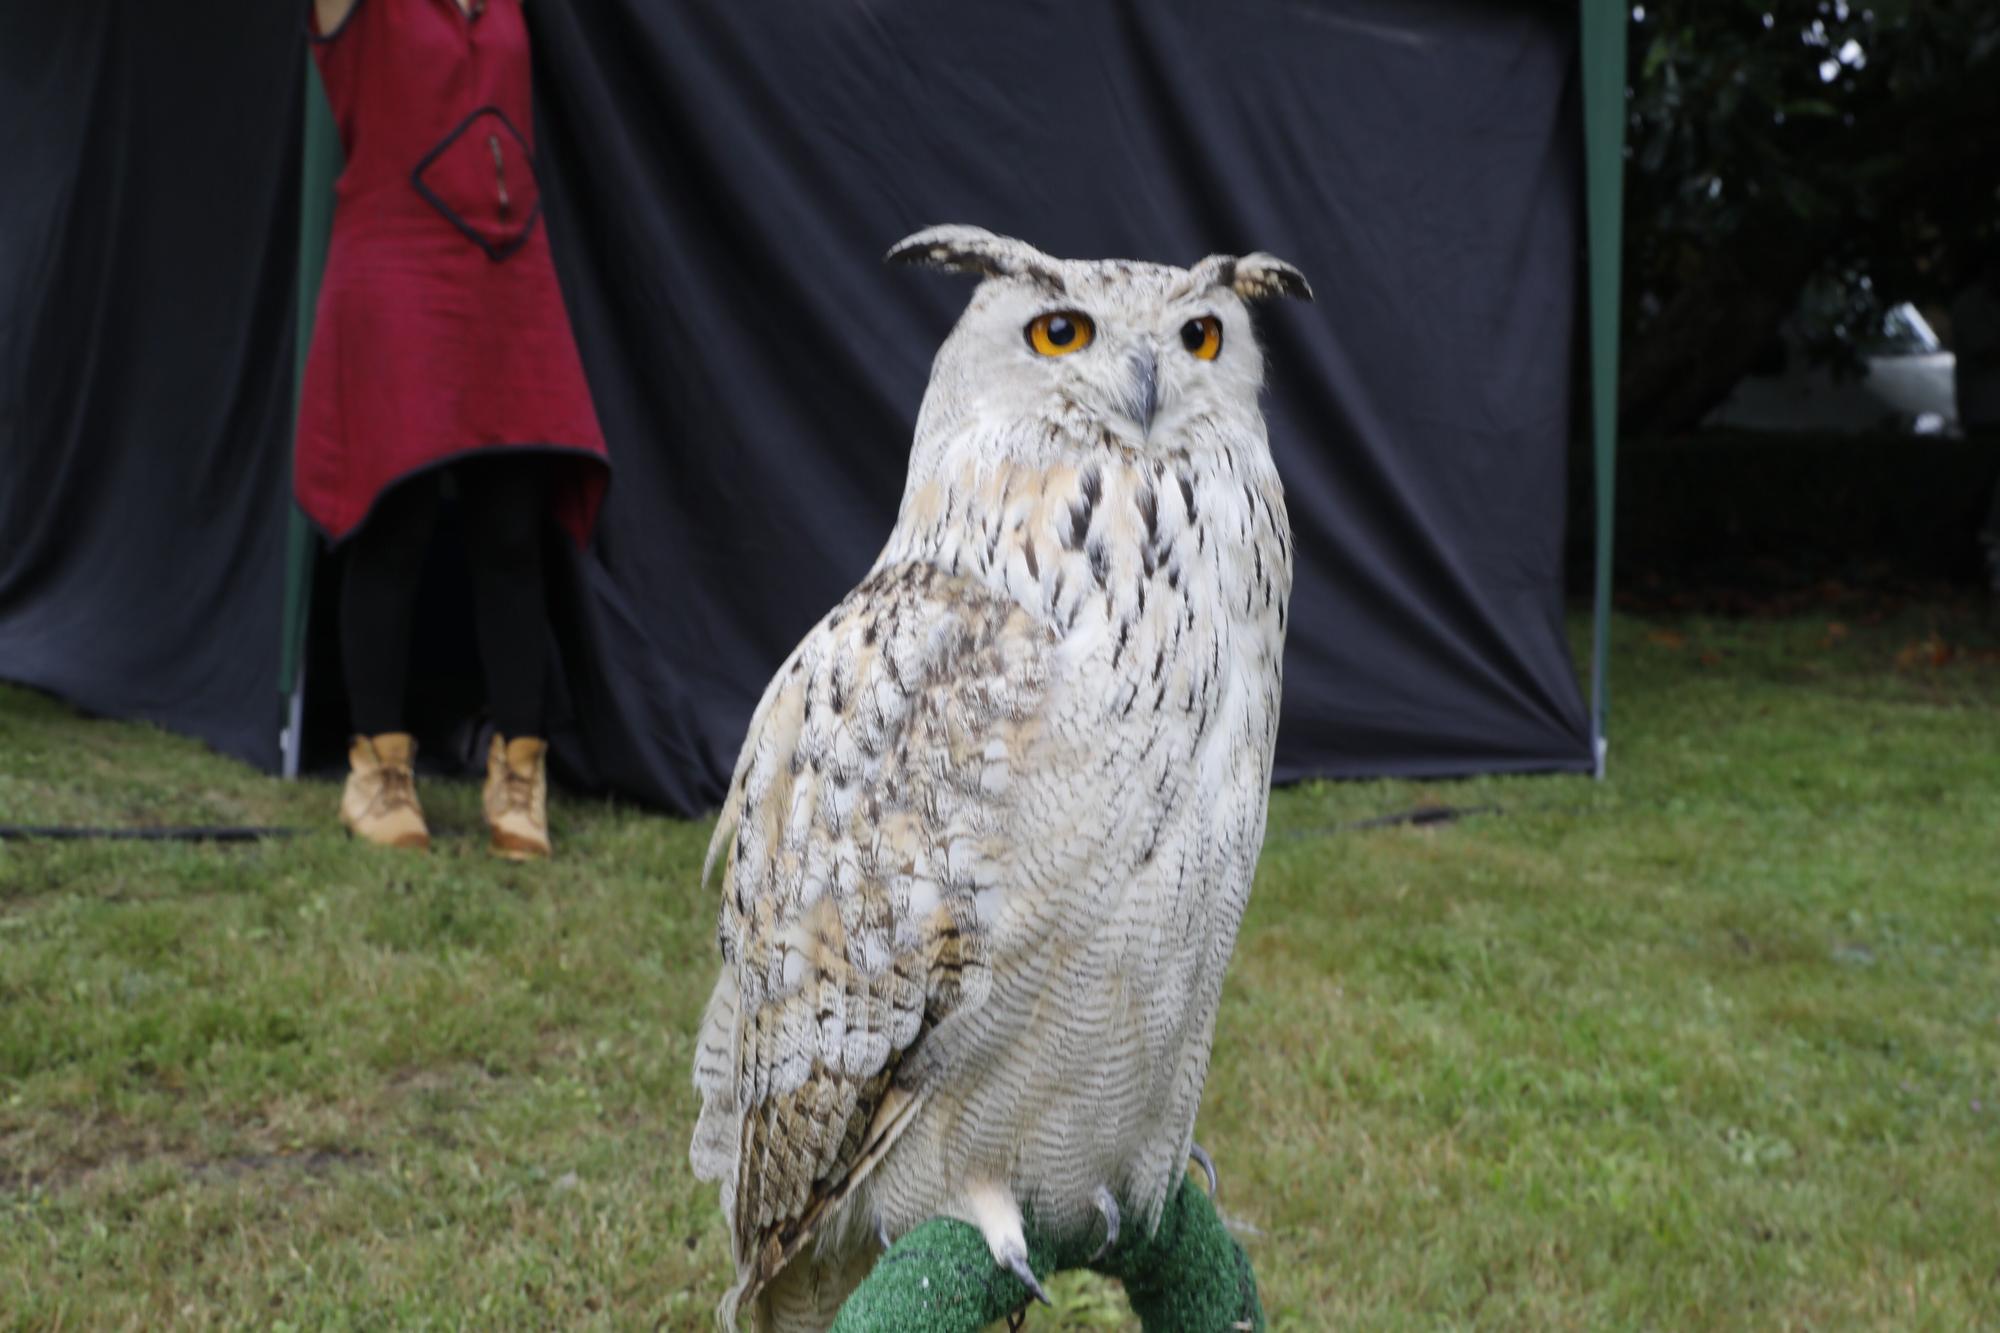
pixel 503 504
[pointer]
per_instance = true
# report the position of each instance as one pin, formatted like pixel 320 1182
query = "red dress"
pixel 441 330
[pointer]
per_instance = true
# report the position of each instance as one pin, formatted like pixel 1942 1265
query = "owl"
pixel 994 822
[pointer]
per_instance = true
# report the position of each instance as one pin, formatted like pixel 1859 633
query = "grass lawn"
pixel 1714 1044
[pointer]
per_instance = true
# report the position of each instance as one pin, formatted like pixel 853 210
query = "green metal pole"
pixel 321 168
pixel 1602 60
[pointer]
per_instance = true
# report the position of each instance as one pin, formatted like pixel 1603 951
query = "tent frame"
pixel 321 168
pixel 1601 61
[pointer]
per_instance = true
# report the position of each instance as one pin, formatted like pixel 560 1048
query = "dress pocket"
pixel 481 176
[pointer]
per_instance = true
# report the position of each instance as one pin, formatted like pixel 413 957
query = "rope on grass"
pixel 1422 816
pixel 187 833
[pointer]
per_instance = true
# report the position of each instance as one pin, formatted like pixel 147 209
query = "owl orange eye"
pixel 1060 332
pixel 1202 335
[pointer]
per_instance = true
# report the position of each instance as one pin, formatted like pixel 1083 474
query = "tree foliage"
pixel 1777 146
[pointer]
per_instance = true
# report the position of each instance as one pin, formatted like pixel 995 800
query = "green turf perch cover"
pixel 1189 1277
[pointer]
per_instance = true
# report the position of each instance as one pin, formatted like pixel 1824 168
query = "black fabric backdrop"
pixel 149 205
pixel 721 179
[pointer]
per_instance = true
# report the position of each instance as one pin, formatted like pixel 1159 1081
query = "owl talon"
pixel 1207 1165
pixel 993 1210
pixel 1016 1263
pixel 1109 1207
pixel 882 1231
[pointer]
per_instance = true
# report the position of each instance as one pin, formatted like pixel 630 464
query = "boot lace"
pixel 399 789
pixel 517 789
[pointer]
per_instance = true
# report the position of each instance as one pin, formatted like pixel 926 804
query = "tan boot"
pixel 380 801
pixel 517 797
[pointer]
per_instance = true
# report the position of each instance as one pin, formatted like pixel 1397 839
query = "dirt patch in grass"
pixel 79 1170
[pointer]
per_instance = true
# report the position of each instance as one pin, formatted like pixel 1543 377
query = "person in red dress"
pixel 441 350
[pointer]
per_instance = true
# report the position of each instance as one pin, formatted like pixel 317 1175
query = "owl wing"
pixel 869 826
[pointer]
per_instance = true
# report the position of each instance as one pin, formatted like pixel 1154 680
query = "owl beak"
pixel 1143 394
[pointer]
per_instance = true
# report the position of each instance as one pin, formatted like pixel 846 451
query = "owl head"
pixel 1056 355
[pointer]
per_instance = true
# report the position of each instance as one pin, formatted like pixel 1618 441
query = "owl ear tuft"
pixel 1254 277
pixel 962 249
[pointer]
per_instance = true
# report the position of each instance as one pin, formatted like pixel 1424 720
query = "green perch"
pixel 1190 1276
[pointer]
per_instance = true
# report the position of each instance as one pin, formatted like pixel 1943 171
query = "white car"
pixel 1906 386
